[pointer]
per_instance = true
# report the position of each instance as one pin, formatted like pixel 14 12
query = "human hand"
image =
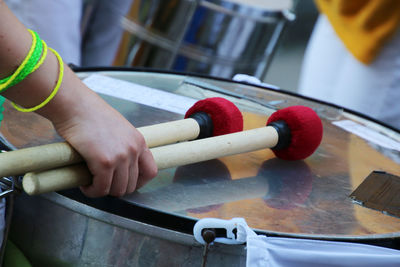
pixel 115 152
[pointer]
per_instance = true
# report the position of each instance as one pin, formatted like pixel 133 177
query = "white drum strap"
pixel 263 251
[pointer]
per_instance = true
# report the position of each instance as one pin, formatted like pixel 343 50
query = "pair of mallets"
pixel 293 133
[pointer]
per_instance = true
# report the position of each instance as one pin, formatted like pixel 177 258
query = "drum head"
pixel 308 198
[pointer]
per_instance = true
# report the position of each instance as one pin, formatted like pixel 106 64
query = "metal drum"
pixel 215 37
pixel 153 226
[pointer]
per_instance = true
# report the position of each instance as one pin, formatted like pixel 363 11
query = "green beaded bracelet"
pixel 27 66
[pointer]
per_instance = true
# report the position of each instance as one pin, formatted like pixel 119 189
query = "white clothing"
pixel 59 22
pixel 330 73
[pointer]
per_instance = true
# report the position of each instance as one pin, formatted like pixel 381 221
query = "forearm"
pixel 36 87
pixel 15 41
pixel 113 149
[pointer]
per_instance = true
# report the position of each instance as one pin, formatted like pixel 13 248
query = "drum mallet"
pixel 293 133
pixel 209 117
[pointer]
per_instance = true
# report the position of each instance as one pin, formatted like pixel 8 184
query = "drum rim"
pixel 199 75
pixel 65 198
pixel 87 205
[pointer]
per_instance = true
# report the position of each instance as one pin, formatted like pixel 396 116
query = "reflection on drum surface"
pixel 307 197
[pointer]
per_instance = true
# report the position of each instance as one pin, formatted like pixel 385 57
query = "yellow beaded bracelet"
pixel 44 54
pixel 53 93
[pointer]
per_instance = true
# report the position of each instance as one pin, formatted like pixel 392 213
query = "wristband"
pixel 28 64
pixel 53 93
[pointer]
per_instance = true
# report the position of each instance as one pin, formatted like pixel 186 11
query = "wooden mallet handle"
pixel 164 156
pixel 207 117
pixel 293 133
pixel 61 154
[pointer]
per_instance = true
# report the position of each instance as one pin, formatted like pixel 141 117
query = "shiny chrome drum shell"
pixel 214 37
pixel 66 229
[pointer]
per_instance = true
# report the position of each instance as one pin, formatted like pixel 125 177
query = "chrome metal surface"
pixel 53 230
pixel 216 37
pixel 10 185
pixel 152 226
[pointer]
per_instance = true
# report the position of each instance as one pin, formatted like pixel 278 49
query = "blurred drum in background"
pixel 214 37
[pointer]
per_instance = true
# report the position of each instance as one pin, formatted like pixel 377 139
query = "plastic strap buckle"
pixel 230 227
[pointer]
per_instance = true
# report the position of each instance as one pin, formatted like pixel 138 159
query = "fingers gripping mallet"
pixel 209 117
pixel 293 133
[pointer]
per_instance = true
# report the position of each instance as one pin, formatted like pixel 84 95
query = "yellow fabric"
pixel 363 25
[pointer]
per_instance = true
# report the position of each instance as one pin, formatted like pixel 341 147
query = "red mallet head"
pixel 303 133
pixel 216 116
